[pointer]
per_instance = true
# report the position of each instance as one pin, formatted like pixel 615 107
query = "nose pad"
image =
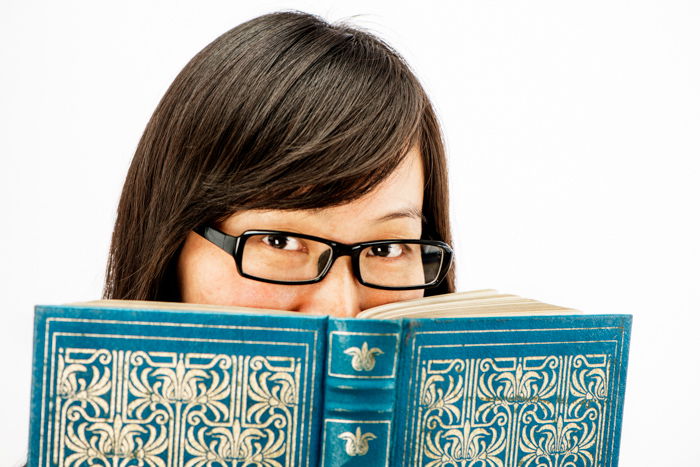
pixel 337 294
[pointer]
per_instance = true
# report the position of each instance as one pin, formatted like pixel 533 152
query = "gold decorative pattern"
pixel 363 359
pixel 362 366
pixel 518 411
pixel 162 409
pixel 357 444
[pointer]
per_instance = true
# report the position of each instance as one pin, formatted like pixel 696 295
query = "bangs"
pixel 334 114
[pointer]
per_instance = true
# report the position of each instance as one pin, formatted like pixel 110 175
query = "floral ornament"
pixel 159 389
pixel 181 383
pixel 274 394
pixel 160 409
pixel 363 358
pixel 357 444
pixel 115 440
pixel 467 446
pixel 222 445
pixel 442 400
pixel 590 387
pixel 560 444
pixel 513 391
pixel 543 411
pixel 73 386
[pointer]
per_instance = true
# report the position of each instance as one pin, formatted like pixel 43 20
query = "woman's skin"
pixel 208 275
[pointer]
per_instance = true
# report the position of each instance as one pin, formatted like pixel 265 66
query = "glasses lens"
pixel 401 264
pixel 282 257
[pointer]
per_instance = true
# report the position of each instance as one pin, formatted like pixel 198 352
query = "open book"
pixel 446 380
pixel 486 302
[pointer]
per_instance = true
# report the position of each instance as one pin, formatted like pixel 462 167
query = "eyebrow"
pixel 411 213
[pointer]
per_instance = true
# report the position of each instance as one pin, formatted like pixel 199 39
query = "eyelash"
pixel 266 241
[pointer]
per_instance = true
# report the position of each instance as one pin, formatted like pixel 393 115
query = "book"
pixel 467 379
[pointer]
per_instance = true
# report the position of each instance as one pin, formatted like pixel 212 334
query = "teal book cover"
pixel 119 386
pixel 517 391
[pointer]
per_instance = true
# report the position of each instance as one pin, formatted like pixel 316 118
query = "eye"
pixel 283 242
pixel 390 250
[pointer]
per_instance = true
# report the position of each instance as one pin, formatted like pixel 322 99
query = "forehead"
pixel 393 208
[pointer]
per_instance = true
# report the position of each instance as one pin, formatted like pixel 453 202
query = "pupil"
pixel 278 241
pixel 381 250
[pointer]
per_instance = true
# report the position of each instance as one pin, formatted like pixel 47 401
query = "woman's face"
pixel 207 274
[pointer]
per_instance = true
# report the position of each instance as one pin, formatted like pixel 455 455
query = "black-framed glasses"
pixel 289 258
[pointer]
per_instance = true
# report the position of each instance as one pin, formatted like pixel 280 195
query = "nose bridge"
pixel 337 294
pixel 338 251
pixel 341 249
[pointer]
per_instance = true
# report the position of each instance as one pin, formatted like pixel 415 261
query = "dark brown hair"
pixel 284 111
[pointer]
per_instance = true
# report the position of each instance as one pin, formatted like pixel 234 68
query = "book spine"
pixel 360 391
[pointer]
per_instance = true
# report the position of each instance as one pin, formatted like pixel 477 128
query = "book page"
pixel 476 303
pixel 152 305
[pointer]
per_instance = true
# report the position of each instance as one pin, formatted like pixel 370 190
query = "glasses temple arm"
pixel 228 243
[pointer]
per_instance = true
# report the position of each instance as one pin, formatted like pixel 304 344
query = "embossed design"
pixel 115 439
pixel 227 446
pixel 357 444
pixel 544 411
pixel 559 443
pixel 465 444
pixel 163 409
pixel 363 359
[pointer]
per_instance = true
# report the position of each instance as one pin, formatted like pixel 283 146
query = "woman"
pixel 318 136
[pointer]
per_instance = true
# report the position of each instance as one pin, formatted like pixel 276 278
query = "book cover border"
pixel 196 327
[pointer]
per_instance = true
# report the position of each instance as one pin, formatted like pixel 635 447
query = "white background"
pixel 573 135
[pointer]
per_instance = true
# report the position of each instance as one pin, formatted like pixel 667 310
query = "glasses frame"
pixel 234 245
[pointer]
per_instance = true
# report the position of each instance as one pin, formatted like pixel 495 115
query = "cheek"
pixel 376 297
pixel 255 294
